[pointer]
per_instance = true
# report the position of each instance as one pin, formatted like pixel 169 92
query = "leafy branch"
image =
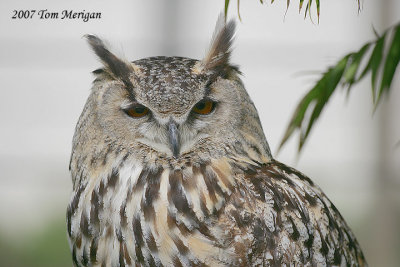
pixel 307 9
pixel 383 54
pixel 384 57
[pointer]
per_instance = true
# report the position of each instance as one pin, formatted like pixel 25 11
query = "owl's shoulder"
pixel 294 221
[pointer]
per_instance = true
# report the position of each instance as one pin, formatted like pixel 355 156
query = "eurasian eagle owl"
pixel 170 167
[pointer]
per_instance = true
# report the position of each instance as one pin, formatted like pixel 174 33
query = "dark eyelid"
pixel 207 90
pixel 207 98
pixel 132 104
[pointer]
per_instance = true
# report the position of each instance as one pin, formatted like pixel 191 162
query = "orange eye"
pixel 137 111
pixel 204 107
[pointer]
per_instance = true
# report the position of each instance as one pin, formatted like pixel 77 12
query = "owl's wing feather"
pixel 296 224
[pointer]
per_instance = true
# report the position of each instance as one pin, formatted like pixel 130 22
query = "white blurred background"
pixel 45 77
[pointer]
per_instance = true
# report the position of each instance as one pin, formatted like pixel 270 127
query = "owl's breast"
pixel 152 215
pixel 211 214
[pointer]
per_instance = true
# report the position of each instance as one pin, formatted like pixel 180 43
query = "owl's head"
pixel 172 107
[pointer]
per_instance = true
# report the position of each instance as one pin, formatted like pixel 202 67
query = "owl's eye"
pixel 136 111
pixel 204 107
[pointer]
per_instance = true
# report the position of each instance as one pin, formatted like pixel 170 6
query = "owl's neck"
pixel 195 189
pixel 200 182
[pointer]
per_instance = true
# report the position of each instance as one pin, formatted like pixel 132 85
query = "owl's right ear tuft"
pixel 117 67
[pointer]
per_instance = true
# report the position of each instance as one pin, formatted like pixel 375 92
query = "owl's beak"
pixel 174 138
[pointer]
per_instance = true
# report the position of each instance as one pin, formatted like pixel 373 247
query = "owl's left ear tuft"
pixel 218 55
pixel 117 67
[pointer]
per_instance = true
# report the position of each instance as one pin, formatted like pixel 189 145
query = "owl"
pixel 170 167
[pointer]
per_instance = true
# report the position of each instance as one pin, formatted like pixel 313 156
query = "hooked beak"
pixel 173 137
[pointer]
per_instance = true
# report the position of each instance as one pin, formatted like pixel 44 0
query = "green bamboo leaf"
pixel 226 8
pixel 373 64
pixel 309 11
pixel 318 8
pixel 392 60
pixel 355 60
pixel 375 32
pixel 326 86
pixel 238 9
pixel 301 5
pixel 287 6
pixel 307 7
pixel 319 95
pixel 298 115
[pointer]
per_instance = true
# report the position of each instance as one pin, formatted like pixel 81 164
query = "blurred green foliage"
pixel 307 10
pixel 45 248
pixel 383 57
pixel 347 72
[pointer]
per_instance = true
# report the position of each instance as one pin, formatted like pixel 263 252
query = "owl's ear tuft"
pixel 117 67
pixel 218 54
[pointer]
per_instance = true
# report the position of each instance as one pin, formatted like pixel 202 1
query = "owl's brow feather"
pixel 228 73
pixel 207 87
